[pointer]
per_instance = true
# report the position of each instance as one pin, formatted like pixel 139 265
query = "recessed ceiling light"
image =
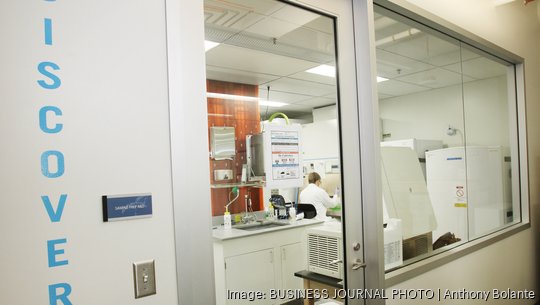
pixel 325 70
pixel 381 79
pixel 209 45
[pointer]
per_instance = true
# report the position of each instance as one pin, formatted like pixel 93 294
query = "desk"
pixel 317 281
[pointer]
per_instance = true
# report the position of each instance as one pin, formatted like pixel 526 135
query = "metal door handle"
pixel 358 264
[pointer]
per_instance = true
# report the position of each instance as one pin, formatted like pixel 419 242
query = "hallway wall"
pixel 84 114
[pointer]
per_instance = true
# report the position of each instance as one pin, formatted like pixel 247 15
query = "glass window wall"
pixel 448 154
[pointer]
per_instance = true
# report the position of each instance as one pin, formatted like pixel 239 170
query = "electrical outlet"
pixel 144 275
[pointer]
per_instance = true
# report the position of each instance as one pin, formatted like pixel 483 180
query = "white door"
pixel 359 141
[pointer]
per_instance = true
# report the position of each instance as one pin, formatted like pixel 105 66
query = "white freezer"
pixel 470 191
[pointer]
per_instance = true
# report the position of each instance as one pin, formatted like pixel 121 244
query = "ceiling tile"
pixel 311 77
pixel 279 96
pixel 318 102
pixel 392 65
pixel 479 68
pixel 285 20
pixel 426 48
pixel 433 78
pixel 237 58
pixel 236 76
pixel 397 88
pixel 301 87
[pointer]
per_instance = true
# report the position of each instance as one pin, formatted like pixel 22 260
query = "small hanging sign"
pixel 124 207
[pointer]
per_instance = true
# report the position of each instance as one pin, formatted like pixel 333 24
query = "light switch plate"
pixel 144 275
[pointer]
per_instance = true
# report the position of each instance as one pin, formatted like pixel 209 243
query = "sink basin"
pixel 260 225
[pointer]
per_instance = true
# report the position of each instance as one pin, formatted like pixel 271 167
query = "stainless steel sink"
pixel 260 225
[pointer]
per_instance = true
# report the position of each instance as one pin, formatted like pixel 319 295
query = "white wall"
pixel 427 115
pixel 114 139
pixel 510 263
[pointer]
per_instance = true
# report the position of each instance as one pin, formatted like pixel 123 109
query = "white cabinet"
pixel 252 271
pixel 293 259
pixel 259 263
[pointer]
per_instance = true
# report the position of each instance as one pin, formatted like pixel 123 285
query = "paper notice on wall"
pixel 285 155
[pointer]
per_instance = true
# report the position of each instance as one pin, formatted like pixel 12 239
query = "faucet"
pixel 249 216
pixel 236 193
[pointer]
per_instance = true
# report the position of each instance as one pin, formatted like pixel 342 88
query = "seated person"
pixel 317 196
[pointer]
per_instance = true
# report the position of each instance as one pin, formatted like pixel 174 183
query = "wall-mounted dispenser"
pixel 222 143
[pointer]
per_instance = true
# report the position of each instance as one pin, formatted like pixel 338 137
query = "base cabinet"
pixel 261 264
pixel 291 260
pixel 249 272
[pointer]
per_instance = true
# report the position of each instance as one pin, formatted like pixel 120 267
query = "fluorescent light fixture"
pixel 271 103
pixel 245 98
pixel 220 114
pixel 325 70
pixel 381 79
pixel 396 37
pixel 231 96
pixel 209 45
pixel 501 2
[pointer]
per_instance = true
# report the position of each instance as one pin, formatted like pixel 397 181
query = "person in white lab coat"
pixel 317 196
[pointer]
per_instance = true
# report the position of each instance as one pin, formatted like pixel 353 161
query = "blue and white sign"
pixel 123 207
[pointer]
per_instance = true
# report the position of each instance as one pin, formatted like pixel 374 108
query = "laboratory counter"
pixel 261 227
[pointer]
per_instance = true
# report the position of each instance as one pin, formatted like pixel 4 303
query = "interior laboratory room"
pixel 446 132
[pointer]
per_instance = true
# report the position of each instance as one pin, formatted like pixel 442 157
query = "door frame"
pixel 358 117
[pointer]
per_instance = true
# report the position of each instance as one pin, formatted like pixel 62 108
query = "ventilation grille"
pixel 421 245
pixel 322 251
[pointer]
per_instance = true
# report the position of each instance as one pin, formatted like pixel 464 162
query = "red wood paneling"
pixel 244 116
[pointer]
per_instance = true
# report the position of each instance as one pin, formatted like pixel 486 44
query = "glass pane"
pixel 424 177
pixel 271 81
pixel 487 99
pixel 447 143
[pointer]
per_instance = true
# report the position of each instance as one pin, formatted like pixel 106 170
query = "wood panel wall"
pixel 244 116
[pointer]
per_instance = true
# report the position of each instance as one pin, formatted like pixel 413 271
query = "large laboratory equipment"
pixel 420 146
pixel 274 156
pixel 470 190
pixel 405 198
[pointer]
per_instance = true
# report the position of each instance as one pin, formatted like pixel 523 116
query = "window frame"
pixel 518 135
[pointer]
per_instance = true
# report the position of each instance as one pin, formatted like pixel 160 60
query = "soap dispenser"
pixel 271 212
pixel 227 220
